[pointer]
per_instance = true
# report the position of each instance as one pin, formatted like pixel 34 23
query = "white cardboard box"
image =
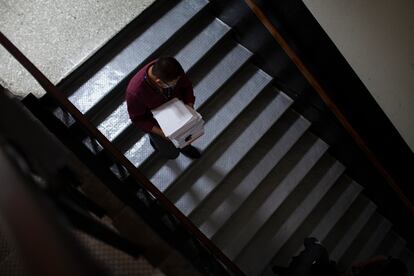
pixel 179 122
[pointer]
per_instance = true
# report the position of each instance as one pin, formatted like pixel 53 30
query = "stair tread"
pixel 100 84
pixel 268 241
pixel 203 42
pixel 230 157
pixel 220 71
pixel 345 241
pixel 374 240
pixel 227 66
pixel 321 220
pixel 273 191
pixel 289 131
pixel 116 122
pixel 336 212
pixel 351 254
pixel 113 125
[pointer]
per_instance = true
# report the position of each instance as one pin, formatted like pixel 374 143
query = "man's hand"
pixel 190 105
pixel 158 131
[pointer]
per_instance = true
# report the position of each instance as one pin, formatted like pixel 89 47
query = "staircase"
pixel 264 182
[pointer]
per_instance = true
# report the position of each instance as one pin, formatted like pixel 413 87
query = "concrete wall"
pixel 376 37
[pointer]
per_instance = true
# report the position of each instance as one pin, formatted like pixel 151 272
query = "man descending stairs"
pixel 154 85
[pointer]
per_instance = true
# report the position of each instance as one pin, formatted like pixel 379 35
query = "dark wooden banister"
pixel 331 105
pixel 60 98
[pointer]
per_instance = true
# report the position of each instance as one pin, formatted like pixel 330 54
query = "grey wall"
pixel 377 40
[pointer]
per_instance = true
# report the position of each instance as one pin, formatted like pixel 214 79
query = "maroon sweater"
pixel 142 97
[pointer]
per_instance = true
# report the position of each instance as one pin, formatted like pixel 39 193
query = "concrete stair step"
pixel 270 194
pixel 338 209
pixel 281 226
pixel 321 220
pixel 200 44
pixel 249 173
pixel 217 69
pixel 356 247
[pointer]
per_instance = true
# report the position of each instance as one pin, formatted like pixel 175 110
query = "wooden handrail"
pixel 141 179
pixel 330 103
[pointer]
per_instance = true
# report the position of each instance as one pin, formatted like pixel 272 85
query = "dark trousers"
pixel 165 147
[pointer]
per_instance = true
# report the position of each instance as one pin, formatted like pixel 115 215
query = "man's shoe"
pixel 191 152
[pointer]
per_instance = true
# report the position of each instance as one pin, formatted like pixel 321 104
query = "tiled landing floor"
pixel 57 35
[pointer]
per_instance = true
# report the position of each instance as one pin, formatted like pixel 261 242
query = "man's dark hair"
pixel 167 69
